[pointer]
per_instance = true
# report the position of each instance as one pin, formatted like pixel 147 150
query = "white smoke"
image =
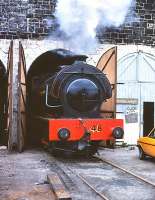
pixel 78 19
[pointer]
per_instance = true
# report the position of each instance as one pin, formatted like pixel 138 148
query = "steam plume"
pixel 78 19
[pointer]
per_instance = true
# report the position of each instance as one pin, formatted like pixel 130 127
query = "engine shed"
pixel 128 107
pixel 24 76
pixel 32 76
pixel 135 89
pixel 136 94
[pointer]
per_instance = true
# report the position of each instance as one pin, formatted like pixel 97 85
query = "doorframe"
pixel 153 104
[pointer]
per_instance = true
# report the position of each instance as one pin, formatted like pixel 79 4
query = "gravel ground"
pixel 128 158
pixel 23 176
pixel 113 183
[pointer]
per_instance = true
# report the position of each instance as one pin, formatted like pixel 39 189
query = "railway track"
pixel 89 185
pixel 69 171
pixel 126 171
pixel 73 168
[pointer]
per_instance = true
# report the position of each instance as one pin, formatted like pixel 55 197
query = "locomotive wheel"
pixel 58 152
pixel 142 155
pixel 61 153
pixel 91 153
pixel 87 152
pixel 69 154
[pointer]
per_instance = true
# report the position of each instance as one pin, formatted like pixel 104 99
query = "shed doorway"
pixel 148 117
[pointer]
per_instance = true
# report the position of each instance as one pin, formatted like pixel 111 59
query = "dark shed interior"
pixel 3 103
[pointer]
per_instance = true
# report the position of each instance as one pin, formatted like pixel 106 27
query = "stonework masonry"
pixel 26 18
pixel 34 19
pixel 139 27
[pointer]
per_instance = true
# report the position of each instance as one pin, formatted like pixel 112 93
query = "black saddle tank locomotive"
pixel 64 93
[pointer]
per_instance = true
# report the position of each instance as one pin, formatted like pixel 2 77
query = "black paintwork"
pixel 75 90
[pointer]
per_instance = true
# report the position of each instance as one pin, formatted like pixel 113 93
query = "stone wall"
pixel 139 27
pixel 34 19
pixel 26 18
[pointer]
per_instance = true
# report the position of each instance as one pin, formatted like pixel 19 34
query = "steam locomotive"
pixel 64 100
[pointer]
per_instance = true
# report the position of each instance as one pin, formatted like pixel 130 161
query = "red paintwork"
pixel 78 127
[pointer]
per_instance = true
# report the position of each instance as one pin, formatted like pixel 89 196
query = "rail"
pixel 125 170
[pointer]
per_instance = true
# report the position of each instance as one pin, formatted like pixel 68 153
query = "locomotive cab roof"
pixel 2 69
pixel 67 54
pixel 50 61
